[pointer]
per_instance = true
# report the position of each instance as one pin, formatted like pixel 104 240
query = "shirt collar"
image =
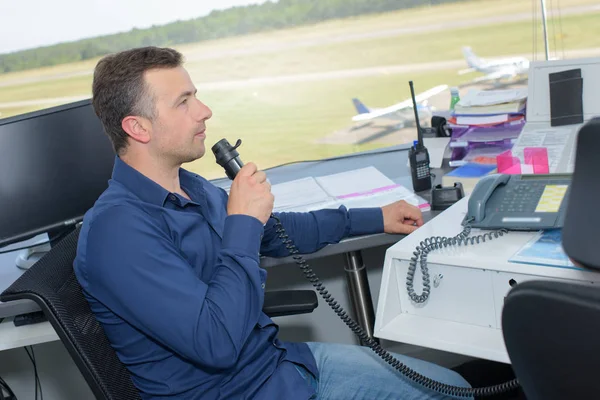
pixel 143 187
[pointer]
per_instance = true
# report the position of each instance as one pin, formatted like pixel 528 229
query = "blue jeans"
pixel 354 372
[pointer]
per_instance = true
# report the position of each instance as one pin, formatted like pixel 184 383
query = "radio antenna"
pixel 420 144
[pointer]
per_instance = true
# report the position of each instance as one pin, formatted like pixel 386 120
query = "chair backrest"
pixel 551 330
pixel 52 284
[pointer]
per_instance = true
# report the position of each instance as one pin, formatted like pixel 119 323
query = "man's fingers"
pixel 260 176
pixel 406 229
pixel 248 169
pixel 413 213
pixel 268 186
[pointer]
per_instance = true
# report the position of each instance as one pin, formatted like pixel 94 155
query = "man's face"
pixel 178 130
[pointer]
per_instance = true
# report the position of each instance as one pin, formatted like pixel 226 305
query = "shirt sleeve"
pixel 314 230
pixel 136 271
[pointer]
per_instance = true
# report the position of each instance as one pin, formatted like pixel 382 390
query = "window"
pixel 288 76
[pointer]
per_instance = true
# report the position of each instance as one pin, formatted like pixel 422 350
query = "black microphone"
pixel 228 157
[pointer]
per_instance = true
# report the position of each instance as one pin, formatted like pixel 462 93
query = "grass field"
pixel 279 122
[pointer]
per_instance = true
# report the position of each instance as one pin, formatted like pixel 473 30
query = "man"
pixel 170 264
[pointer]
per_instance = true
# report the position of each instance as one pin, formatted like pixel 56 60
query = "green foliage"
pixel 218 24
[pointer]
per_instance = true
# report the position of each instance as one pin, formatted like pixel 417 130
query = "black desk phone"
pixel 519 202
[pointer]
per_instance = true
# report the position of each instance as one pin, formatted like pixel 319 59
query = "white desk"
pixel 12 336
pixel 463 313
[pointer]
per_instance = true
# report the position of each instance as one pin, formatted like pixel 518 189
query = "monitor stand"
pixel 27 257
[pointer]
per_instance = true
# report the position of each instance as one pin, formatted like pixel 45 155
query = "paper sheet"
pixel 544 249
pixel 364 187
pixel 476 97
pixel 381 199
pixel 356 182
pixel 436 148
pixel 558 141
pixel 300 192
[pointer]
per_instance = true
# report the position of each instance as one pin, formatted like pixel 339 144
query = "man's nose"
pixel 204 111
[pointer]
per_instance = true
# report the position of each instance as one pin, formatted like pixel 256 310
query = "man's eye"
pixel 184 101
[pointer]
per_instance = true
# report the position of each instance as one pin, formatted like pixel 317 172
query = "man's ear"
pixel 138 128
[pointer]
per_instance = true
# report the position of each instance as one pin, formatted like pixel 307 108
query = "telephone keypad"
pixel 523 197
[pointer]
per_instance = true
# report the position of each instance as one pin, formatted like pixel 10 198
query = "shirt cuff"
pixel 243 233
pixel 365 221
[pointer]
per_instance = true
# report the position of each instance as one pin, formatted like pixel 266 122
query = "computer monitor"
pixel 54 164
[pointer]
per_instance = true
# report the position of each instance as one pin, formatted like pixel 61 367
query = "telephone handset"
pixel 227 157
pixel 519 202
pixel 485 188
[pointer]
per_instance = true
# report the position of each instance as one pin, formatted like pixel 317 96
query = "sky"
pixel 33 23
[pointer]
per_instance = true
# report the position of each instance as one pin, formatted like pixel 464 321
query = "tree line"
pixel 234 21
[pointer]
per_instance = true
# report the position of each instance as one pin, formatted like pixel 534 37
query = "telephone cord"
pixel 438 242
pixel 440 387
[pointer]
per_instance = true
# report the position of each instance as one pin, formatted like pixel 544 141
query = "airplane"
pixel 401 112
pixel 496 69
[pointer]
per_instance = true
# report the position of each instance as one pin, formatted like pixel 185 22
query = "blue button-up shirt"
pixel 177 286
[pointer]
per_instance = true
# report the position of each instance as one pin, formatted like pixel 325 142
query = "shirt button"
pixel 172 197
pixel 262 285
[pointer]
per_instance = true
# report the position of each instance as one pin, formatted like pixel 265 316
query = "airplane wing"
pixel 399 106
pixel 503 73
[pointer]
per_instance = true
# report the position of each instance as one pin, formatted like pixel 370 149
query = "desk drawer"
pixel 463 295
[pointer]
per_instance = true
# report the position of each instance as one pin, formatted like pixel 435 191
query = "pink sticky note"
pixel 507 164
pixel 538 158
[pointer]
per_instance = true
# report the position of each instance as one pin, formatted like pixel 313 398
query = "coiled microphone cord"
pixel 413 375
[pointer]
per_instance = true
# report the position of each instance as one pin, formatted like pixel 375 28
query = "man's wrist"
pixel 365 221
pixel 243 233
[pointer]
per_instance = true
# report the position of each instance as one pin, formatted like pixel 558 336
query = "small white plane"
pixel 496 69
pixel 401 112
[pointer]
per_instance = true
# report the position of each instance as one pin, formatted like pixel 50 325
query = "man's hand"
pixel 401 217
pixel 250 194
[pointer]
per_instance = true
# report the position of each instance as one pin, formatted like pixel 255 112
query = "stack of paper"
pixel 365 187
pixel 490 107
pixel 486 123
pixel 492 97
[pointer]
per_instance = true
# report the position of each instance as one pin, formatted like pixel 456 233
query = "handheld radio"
pixel 418 154
pixel 227 157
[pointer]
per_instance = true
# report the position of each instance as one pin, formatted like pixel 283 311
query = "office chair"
pixel 52 284
pixel 550 327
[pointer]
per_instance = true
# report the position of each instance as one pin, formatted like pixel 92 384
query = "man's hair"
pixel 119 88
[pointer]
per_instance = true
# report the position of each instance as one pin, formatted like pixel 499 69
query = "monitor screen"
pixel 54 164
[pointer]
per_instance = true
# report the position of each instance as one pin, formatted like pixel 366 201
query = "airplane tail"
pixel 360 107
pixel 472 60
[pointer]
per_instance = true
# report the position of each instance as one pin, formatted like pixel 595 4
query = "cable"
pixel 24 247
pixel 35 371
pixel 4 386
pixel 38 379
pixel 438 242
pixel 381 352
pixel 56 239
pixel 533 24
pixel 553 26
pixel 562 43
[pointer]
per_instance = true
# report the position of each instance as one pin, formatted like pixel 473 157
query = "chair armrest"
pixel 289 302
